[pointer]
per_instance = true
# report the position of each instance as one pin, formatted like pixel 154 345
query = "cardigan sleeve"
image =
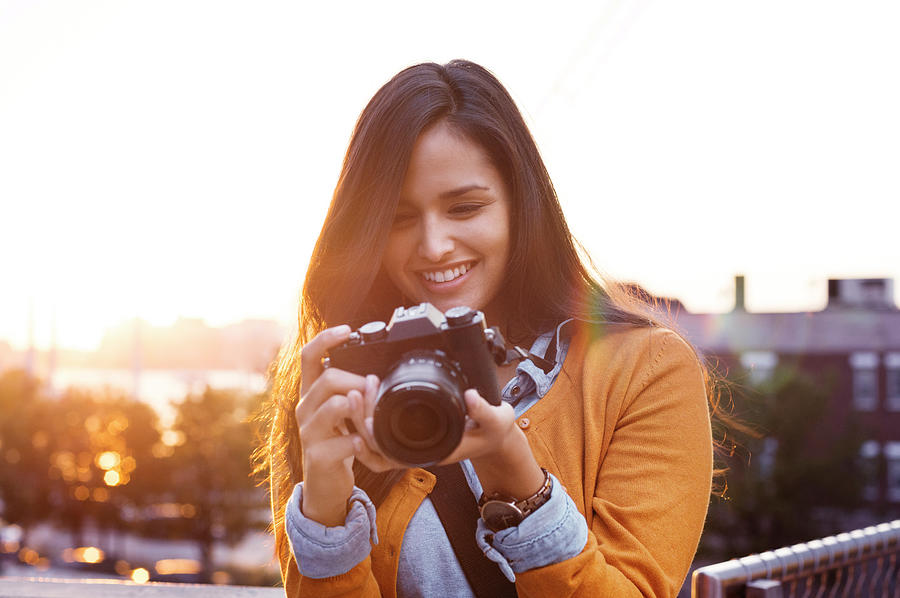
pixel 358 582
pixel 321 551
pixel 652 486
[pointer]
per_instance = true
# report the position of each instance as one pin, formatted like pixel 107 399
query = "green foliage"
pixel 210 470
pixel 24 450
pixel 795 477
pixel 100 457
pixel 73 458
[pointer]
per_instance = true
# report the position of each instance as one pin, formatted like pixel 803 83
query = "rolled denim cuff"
pixel 322 551
pixel 553 533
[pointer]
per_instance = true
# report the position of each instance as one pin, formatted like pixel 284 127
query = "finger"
pixel 332 382
pixel 324 456
pixel 482 413
pixel 375 460
pixel 367 410
pixel 312 352
pixel 326 421
pixel 371 394
pixel 371 456
pixel 485 425
pixel 357 413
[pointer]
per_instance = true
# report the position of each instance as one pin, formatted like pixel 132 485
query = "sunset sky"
pixel 176 158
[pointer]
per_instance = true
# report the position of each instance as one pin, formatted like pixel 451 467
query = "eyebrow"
pixel 462 191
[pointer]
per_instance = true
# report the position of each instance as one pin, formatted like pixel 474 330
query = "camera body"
pixel 425 360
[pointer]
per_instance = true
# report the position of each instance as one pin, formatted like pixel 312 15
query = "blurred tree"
pixel 102 465
pixel 73 459
pixel 210 470
pixel 793 481
pixel 24 450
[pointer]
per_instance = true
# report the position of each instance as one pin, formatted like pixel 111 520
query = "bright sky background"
pixel 175 158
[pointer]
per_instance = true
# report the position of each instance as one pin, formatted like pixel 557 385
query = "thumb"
pixel 478 408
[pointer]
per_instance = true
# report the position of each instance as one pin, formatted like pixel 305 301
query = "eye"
pixel 403 218
pixel 465 209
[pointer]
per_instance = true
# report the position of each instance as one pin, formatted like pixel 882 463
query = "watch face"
pixel 499 515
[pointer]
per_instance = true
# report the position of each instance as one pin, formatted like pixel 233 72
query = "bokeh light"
pixel 107 460
pixel 140 575
pixel 178 567
pixel 29 556
pixel 123 568
pixel 83 554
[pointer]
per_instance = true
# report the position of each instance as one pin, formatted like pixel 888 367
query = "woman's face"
pixel 449 243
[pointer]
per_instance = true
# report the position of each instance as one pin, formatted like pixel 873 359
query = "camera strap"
pixel 458 511
pixel 520 354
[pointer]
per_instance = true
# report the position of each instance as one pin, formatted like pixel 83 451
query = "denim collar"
pixel 527 371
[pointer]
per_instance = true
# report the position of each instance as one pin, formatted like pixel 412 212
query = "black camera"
pixel 425 360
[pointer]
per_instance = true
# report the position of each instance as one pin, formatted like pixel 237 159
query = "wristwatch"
pixel 500 512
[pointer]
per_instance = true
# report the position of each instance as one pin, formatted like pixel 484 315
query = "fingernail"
pixel 357 444
pixel 341 330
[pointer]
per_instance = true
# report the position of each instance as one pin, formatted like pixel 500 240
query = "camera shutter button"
pixel 373 331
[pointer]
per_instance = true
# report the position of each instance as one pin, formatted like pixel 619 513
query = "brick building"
pixel 855 339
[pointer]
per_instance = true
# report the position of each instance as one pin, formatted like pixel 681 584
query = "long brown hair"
pixel 546 281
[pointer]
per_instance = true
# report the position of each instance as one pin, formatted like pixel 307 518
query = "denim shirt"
pixel 553 533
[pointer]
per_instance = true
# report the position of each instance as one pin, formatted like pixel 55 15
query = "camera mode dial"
pixel 459 316
pixel 373 331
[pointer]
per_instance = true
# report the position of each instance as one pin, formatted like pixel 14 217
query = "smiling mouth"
pixel 447 274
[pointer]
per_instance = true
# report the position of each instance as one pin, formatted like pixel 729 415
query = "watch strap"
pixel 528 505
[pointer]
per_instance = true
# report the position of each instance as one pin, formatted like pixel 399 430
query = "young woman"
pixel 605 450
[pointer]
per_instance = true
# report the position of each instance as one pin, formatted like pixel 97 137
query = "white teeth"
pixel 447 275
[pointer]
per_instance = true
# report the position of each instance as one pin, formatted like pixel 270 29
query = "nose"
pixel 436 240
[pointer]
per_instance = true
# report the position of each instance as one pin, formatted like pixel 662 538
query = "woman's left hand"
pixel 492 441
pixel 498 449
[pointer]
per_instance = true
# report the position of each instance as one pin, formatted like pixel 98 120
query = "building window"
pixel 865 380
pixel 892 381
pixel 892 454
pixel 868 465
pixel 760 365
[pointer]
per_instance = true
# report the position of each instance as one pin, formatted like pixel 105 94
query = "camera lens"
pixel 420 413
pixel 415 422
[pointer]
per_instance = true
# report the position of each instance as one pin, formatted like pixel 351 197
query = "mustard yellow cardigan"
pixel 626 430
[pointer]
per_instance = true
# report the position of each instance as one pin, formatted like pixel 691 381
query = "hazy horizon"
pixel 289 328
pixel 176 159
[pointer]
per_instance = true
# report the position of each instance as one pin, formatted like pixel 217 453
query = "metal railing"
pixel 864 562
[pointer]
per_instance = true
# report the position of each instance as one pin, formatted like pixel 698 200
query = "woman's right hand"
pixel 328 398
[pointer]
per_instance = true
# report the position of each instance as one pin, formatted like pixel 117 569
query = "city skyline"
pixel 110 339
